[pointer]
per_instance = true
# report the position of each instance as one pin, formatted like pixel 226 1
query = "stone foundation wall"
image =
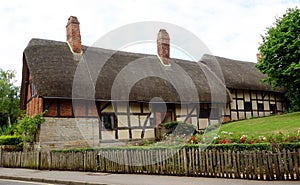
pixel 61 133
pixel 66 133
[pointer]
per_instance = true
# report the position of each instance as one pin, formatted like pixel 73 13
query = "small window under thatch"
pixel 247 106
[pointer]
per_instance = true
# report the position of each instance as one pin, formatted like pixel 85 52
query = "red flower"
pixel 251 142
pixel 193 138
pixel 242 139
pixel 224 141
pixel 295 138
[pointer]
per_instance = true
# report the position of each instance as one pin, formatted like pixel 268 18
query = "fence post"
pixel 84 160
pixel 39 160
pixel 185 162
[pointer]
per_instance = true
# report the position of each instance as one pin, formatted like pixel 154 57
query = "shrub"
pixel 218 147
pixel 28 126
pixel 10 140
pixel 7 130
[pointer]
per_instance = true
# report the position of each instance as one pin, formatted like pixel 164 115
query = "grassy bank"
pixel 285 123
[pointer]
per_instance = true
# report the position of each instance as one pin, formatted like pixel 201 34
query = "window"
pixel 109 121
pixel 204 111
pixel 32 89
pixel 260 107
pixel 247 106
pixel 273 109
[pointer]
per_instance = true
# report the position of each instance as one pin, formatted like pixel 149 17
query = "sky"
pixel 229 28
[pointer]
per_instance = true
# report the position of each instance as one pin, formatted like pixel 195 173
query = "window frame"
pixel 112 124
pixel 32 89
pixel 260 107
pixel 248 106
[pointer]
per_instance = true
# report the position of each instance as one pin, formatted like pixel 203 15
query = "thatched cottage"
pixel 96 95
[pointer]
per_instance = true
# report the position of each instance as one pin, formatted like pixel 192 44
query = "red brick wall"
pixel 34 106
pixel 83 108
pixel 79 108
pixel 51 107
pixel 65 108
pixel 58 108
pixel 62 108
pixel 92 109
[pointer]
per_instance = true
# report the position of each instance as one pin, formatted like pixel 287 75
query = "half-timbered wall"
pixel 118 120
pixel 123 121
pixel 132 121
pixel 248 103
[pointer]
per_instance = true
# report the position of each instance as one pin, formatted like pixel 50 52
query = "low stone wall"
pixel 59 133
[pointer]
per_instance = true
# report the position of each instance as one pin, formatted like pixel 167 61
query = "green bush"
pixel 10 140
pixel 7 130
pixel 28 126
pixel 289 146
pixel 218 147
pixel 233 147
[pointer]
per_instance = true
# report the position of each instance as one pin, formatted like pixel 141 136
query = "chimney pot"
pixel 258 56
pixel 163 46
pixel 73 34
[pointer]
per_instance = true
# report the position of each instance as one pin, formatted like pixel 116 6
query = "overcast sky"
pixel 229 28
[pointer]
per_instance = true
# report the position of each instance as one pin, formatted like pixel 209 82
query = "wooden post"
pixel 84 161
pixel 185 161
pixel 255 168
pixel 296 169
pixel 260 165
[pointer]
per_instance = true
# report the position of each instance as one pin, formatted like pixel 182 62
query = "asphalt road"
pixel 15 182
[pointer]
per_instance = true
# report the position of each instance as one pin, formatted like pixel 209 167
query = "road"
pixel 15 182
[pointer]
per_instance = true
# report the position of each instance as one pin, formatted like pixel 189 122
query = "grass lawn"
pixel 285 123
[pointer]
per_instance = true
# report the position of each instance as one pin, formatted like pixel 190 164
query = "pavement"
pixel 93 178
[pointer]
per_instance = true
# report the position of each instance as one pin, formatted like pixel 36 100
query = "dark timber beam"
pixel 105 106
pixel 190 113
pixel 144 126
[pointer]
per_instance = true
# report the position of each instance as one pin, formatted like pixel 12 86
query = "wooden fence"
pixel 258 165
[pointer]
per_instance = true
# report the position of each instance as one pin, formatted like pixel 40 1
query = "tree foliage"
pixel 280 55
pixel 9 98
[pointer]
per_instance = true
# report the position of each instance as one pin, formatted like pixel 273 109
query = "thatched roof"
pixel 114 75
pixel 240 74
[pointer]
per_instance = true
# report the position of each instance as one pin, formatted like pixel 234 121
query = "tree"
pixel 280 55
pixel 9 98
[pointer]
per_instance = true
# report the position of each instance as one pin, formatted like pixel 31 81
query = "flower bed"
pixel 230 138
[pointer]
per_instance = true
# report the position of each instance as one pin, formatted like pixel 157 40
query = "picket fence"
pixel 257 165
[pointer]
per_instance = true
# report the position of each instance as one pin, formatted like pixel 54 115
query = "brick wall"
pixel 34 106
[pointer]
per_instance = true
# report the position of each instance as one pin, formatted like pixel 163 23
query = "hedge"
pixel 10 140
pixel 223 147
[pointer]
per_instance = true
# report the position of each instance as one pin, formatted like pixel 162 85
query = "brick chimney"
pixel 163 46
pixel 73 34
pixel 258 56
